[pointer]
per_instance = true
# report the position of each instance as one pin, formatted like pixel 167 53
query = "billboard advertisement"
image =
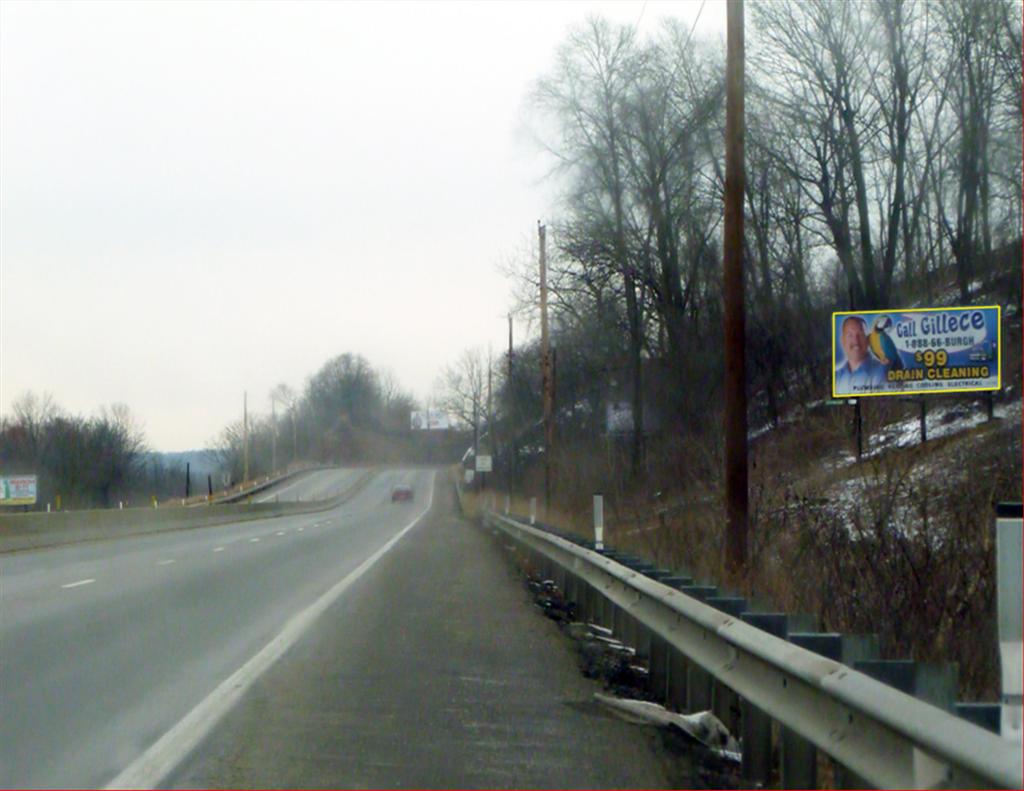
pixel 914 351
pixel 18 490
pixel 428 420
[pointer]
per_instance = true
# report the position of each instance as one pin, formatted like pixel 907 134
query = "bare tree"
pixel 462 389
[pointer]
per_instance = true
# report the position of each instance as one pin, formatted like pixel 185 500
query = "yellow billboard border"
pixel 999 352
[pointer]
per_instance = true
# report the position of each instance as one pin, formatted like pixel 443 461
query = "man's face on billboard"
pixel 854 341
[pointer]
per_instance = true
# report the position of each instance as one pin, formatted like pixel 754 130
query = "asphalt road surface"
pixel 104 646
pixel 369 646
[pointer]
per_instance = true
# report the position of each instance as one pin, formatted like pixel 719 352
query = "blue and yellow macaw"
pixel 882 345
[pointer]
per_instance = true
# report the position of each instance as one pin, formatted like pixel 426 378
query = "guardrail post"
pixel 698 681
pixel 1009 529
pixel 598 522
pixel 659 669
pixel 756 724
pixel 619 619
pixel 678 673
pixel 533 510
pixel 676 665
pixel 799 758
pixel 932 682
pixel 725 703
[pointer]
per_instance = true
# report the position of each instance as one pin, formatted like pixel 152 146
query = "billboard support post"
pixel 858 428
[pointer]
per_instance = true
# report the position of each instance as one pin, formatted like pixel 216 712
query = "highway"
pixel 104 646
pixel 377 644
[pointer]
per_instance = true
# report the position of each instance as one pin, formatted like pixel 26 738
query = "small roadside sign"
pixel 483 464
pixel 18 490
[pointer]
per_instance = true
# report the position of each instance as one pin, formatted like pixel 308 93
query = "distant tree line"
pixel 88 462
pixel 347 412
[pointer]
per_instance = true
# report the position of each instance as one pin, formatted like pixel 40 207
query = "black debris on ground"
pixel 604 658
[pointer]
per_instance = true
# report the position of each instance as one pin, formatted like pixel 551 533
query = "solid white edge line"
pixel 169 750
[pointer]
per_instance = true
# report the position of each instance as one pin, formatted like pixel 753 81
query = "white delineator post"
pixel 508 504
pixel 598 522
pixel 533 510
pixel 1009 529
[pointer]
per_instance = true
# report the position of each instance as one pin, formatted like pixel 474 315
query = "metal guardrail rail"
pixel 888 738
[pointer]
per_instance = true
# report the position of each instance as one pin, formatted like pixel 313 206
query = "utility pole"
pixel 736 494
pixel 295 436
pixel 545 368
pixel 513 449
pixel 245 436
pixel 492 445
pixel 510 349
pixel 273 435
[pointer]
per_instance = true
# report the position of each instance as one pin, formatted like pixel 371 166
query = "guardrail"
pixel 41 530
pixel 877 734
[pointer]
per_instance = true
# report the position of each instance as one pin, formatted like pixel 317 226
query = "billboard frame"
pixel 929 391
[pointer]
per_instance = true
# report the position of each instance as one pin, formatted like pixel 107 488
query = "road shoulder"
pixel 434 670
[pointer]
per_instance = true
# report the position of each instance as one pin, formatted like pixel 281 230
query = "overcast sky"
pixel 200 199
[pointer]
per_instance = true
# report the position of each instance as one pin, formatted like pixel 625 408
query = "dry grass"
pixel 899 544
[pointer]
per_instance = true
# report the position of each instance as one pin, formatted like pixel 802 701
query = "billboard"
pixel 618 417
pixel 18 490
pixel 429 420
pixel 914 351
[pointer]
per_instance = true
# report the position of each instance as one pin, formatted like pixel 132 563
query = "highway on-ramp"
pixel 105 646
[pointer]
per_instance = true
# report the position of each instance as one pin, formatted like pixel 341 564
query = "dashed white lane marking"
pixel 279 533
pixel 78 584
pixel 166 562
pixel 161 757
pixel 301 529
pixel 254 541
pixel 218 549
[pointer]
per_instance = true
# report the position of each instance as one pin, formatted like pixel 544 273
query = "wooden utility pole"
pixel 245 436
pixel 510 349
pixel 513 448
pixel 547 382
pixel 736 494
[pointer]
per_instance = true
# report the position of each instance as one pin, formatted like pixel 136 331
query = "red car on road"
pixel 401 493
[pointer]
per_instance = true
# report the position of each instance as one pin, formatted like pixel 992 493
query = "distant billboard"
pixel 914 351
pixel 18 490
pixel 618 417
pixel 428 420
